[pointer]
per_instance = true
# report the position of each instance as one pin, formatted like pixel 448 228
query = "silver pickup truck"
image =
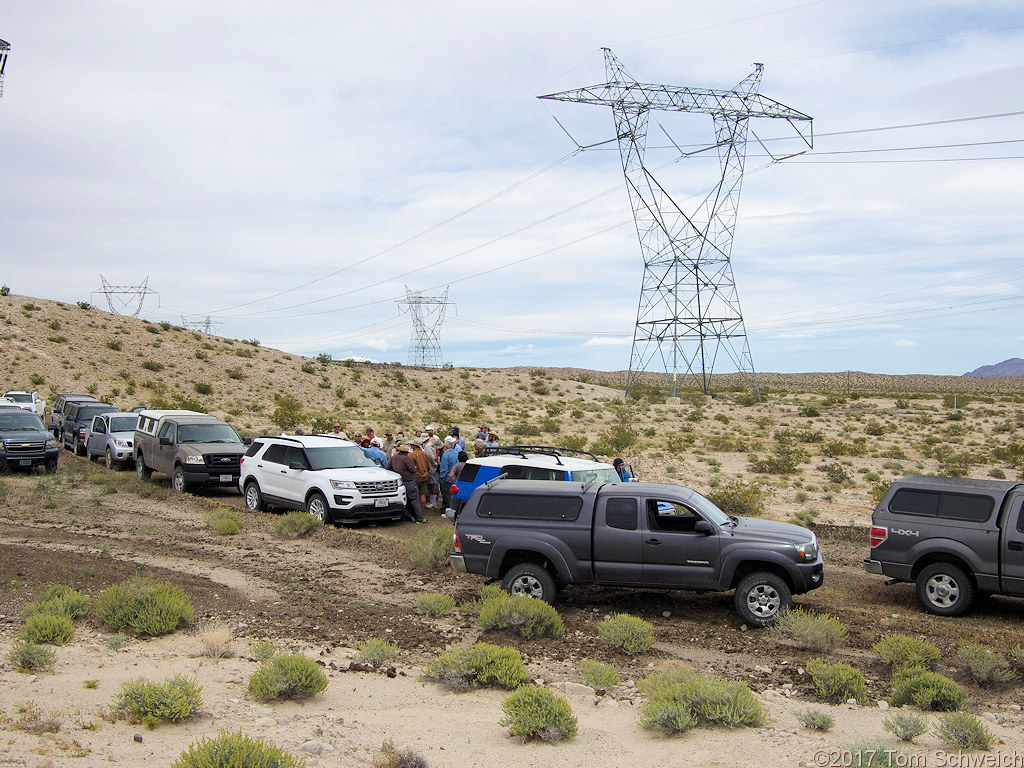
pixel 195 449
pixel 953 537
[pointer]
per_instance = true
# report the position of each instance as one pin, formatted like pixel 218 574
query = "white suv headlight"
pixel 343 485
pixel 194 460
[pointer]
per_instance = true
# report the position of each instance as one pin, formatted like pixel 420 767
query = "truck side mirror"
pixel 246 441
pixel 166 441
pixel 704 527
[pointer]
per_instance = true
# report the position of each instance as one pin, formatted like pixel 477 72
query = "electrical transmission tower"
pixel 427 314
pixel 126 296
pixel 205 324
pixel 5 48
pixel 689 309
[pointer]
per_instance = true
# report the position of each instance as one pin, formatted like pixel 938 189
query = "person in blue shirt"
pixel 373 453
pixel 623 472
pixel 444 470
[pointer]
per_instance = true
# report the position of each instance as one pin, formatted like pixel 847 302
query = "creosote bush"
pixel 962 730
pixel 813 632
pixel 434 604
pixel 905 726
pixel 235 750
pixel 479 665
pixel 262 650
pixel 288 676
pixel 837 682
pixel 224 521
pixel 428 548
pixel 598 674
pixel 681 699
pixel 629 634
pixel 986 668
pixel 391 756
pixel 48 628
pixel 736 497
pixel 815 720
pixel 57 599
pixel 142 701
pixel 26 657
pixel 376 652
pixel 146 607
pixel 524 615
pixel 534 713
pixel 927 690
pixel 902 652
pixel 296 524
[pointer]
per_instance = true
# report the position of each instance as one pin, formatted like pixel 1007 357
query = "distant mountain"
pixel 1012 367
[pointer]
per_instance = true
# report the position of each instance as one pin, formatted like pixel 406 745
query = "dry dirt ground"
pixel 325 593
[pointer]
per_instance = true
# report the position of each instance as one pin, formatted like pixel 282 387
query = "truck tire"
pixel 945 589
pixel 178 481
pixel 253 497
pixel 760 598
pixel 531 580
pixel 318 508
pixel 109 460
pixel 141 469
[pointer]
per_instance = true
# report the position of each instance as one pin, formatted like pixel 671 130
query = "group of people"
pixel 427 464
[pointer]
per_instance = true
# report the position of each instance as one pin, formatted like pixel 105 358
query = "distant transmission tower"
pixel 427 314
pixel 5 48
pixel 689 309
pixel 125 296
pixel 205 324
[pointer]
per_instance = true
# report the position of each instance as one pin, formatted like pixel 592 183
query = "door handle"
pixel 654 542
pixel 1016 546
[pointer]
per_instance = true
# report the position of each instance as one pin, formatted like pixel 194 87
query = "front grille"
pixel 23 447
pixel 224 461
pixel 378 488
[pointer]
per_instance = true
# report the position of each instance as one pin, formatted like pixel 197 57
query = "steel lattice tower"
pixel 136 294
pixel 689 309
pixel 5 48
pixel 427 314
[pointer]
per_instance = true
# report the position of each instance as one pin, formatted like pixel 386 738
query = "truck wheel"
pixel 90 456
pixel 253 497
pixel 78 448
pixel 141 469
pixel 317 507
pixel 109 459
pixel 944 589
pixel 178 481
pixel 531 580
pixel 760 597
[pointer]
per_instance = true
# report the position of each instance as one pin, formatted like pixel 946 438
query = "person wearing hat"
pixel 424 477
pixel 373 453
pixel 623 472
pixel 406 468
pixel 389 444
pixel 458 440
pixel 448 460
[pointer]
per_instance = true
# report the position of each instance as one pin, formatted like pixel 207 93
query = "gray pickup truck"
pixel 537 536
pixel 195 449
pixel 954 538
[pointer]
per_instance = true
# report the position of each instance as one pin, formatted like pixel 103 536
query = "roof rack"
pixel 295 438
pixel 544 450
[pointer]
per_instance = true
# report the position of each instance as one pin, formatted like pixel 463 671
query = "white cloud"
pixel 515 349
pixel 904 343
pixel 607 341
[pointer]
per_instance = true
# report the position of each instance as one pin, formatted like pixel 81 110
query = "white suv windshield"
pixel 338 457
pixel 207 433
pixel 607 475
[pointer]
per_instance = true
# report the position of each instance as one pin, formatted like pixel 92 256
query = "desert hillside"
pixel 817 446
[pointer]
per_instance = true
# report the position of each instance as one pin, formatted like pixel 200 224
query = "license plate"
pixel 226 478
pixel 380 502
pixel 25 463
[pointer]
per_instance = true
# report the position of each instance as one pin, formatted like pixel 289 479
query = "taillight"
pixel 457 541
pixel 878 535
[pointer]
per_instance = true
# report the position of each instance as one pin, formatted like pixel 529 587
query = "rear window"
pixel 530 507
pixel 953 506
pixel 468 473
pixel 516 472
pixel 254 448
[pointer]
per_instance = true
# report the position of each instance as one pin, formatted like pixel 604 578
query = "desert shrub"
pixel 527 616
pixel 117 641
pixel 428 548
pixel 835 472
pixel 905 726
pixel 629 634
pixel 152 365
pixel 532 713
pixel 481 664
pixel 836 682
pixel 927 690
pixel 434 604
pixel 215 640
pixel 962 730
pixel 392 757
pixel 812 632
pixel 224 521
pixel 146 607
pixel 984 666
pixel 816 720
pixel 48 628
pixel 202 387
pixel 288 676
pixel 681 699
pixel 235 750
pixel 262 650
pixel 141 701
pixel 901 652
pixel 806 516
pixel 376 652
pixel 289 410
pixel 26 657
pixel 57 599
pixel 598 674
pixel 296 524
pixel 736 497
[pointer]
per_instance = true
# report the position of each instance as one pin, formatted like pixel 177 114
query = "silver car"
pixel 110 436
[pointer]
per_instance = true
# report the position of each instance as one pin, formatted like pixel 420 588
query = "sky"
pixel 289 171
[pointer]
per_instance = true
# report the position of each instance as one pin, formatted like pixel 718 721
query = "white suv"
pixel 330 478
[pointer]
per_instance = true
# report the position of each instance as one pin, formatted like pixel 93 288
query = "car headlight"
pixel 120 443
pixel 51 442
pixel 808 550
pixel 194 460
pixel 343 485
